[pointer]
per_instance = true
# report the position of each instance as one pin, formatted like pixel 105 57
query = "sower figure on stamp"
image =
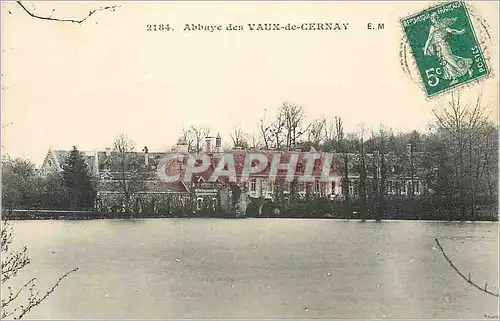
pixel 453 66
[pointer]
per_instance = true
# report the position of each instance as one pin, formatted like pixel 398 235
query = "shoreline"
pixel 23 215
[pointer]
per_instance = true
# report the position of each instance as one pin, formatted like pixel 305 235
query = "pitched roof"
pixel 397 164
pixel 239 163
pixel 62 155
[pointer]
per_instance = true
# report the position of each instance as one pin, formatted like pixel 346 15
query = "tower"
pixel 218 143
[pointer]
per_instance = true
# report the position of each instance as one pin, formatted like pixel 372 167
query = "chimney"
pixel 218 143
pixel 208 141
pixel 218 140
pixel 182 147
pixel 108 151
pixel 146 155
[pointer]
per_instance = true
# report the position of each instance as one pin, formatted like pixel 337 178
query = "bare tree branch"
pixel 13 296
pixel 264 128
pixel 468 280
pixel 316 131
pixel 12 262
pixel 91 12
pixel 199 132
pixel 132 173
pixel 35 300
pixel 239 137
pixel 256 142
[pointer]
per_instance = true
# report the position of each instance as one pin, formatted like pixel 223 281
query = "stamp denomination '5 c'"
pixel 445 47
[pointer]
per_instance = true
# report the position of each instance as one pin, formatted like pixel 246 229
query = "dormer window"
pixel 49 162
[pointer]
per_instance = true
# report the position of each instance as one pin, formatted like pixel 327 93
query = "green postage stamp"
pixel 445 47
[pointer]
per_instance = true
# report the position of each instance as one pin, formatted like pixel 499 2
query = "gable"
pixel 50 163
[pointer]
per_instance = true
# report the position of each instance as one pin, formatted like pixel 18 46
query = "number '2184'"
pixel 159 27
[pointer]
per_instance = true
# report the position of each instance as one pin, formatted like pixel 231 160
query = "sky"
pixel 68 84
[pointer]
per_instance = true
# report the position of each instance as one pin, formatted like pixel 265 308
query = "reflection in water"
pixel 257 268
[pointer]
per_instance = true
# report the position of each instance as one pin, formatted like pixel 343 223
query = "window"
pixel 316 188
pixel 49 162
pixel 253 185
pixel 333 187
pixel 271 185
pixel 302 187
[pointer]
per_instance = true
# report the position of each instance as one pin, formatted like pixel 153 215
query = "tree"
pixel 255 141
pixel 131 175
pixel 469 148
pixel 11 185
pixel 316 133
pixel 285 130
pixel 194 137
pixel 343 148
pixel 375 174
pixel 292 117
pixel 272 132
pixel 383 172
pixel 200 132
pixel 437 177
pixel 13 262
pixel 489 148
pixel 24 188
pixel 18 176
pixel 78 181
pixel 54 195
pixel 239 137
pixel 187 138
pixel 264 129
pixel 330 135
pixel 276 132
pixel 361 169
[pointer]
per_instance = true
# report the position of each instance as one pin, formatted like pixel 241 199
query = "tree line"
pixel 454 161
pixel 74 187
pixel 23 187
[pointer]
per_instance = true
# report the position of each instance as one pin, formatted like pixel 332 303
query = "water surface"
pixel 260 268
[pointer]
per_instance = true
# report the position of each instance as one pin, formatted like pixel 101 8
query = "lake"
pixel 260 268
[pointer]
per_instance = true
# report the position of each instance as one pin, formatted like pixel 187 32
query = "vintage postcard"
pixel 249 159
